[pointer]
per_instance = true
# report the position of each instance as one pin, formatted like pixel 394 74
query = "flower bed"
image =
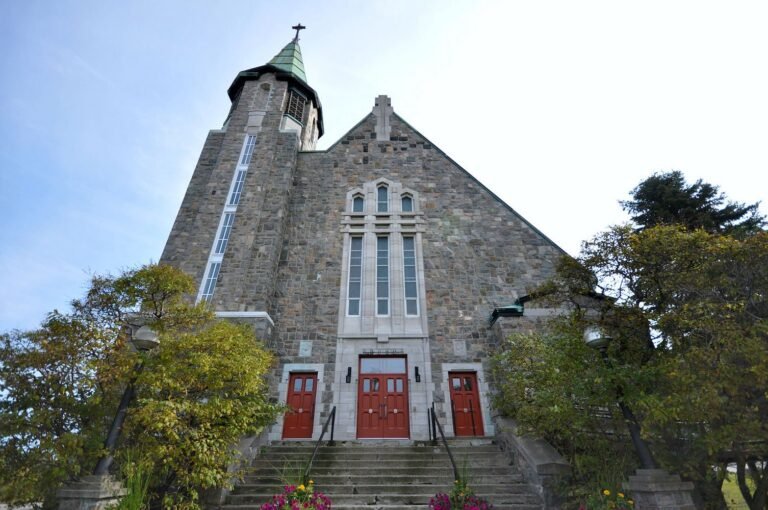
pixel 461 497
pixel 298 498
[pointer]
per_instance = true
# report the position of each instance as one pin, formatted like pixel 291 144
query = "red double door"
pixel 382 398
pixel 465 404
pixel 300 419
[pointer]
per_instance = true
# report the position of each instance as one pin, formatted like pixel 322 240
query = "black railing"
pixel 331 420
pixel 436 427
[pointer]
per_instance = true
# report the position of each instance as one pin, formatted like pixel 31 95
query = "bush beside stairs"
pixel 386 475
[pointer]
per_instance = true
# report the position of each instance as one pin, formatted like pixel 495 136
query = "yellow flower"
pixel 630 502
pixel 455 481
pixel 311 482
pixel 606 492
pixel 301 487
pixel 619 494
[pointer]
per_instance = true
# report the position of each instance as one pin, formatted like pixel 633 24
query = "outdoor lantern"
pixel 417 376
pixel 349 375
pixel 595 337
pixel 145 339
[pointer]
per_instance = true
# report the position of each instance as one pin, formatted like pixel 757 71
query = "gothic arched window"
pixel 358 204
pixel 406 203
pixel 382 199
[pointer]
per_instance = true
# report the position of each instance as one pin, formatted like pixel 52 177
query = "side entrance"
pixel 300 419
pixel 465 404
pixel 382 398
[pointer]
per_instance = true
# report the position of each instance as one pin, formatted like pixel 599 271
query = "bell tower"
pixel 229 230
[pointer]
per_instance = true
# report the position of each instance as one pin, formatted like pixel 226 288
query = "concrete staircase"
pixel 387 475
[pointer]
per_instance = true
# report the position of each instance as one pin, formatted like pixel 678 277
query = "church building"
pixel 374 269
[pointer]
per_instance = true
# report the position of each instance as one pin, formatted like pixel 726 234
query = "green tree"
pixel 200 391
pixel 666 199
pixel 687 311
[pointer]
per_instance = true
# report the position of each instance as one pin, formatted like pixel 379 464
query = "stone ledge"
pixel 541 465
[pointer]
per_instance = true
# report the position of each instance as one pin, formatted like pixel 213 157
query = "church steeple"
pixel 287 65
pixel 289 60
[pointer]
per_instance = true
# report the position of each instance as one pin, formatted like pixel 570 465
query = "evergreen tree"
pixel 666 199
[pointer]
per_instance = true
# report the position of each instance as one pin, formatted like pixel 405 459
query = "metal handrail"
pixel 436 424
pixel 332 421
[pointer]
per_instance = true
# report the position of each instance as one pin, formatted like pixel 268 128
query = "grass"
pixel 732 493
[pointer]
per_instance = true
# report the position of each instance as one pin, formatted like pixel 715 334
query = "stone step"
pixel 374 454
pixel 392 507
pixel 378 454
pixel 395 464
pixel 416 477
pixel 424 506
pixel 421 499
pixel 369 443
pixel 250 491
pixel 385 475
pixel 393 448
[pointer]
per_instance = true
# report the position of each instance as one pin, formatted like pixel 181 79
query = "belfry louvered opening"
pixel 294 106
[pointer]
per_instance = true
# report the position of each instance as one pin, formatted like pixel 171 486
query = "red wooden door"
pixel 465 404
pixel 382 402
pixel 299 420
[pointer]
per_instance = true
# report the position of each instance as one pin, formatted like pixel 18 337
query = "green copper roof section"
pixel 289 60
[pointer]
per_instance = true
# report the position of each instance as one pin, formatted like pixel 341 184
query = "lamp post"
pixel 144 339
pixel 597 339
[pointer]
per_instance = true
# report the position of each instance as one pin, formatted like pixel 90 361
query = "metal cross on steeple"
pixel 297 28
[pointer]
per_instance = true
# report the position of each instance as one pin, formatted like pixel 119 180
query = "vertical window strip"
pixel 237 189
pixel 382 199
pixel 210 282
pixel 248 152
pixel 382 275
pixel 221 241
pixel 355 275
pixel 409 276
pixel 226 228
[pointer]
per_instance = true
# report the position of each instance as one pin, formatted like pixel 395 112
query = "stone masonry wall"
pixel 477 252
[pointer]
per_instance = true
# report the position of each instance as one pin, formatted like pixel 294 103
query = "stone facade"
pixel 286 264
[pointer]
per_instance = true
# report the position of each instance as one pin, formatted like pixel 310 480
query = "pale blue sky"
pixel 559 107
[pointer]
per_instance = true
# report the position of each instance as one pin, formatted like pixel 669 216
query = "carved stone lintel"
pixel 656 489
pixel 92 492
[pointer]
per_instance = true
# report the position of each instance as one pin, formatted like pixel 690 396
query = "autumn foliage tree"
pixel 199 392
pixel 688 312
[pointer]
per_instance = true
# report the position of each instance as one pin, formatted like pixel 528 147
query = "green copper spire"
pixel 289 60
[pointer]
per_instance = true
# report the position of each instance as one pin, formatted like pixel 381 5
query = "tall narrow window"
pixel 248 152
pixel 237 189
pixel 407 204
pixel 210 282
pixel 382 199
pixel 357 204
pixel 355 275
pixel 226 228
pixel 409 275
pixel 295 106
pixel 382 275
